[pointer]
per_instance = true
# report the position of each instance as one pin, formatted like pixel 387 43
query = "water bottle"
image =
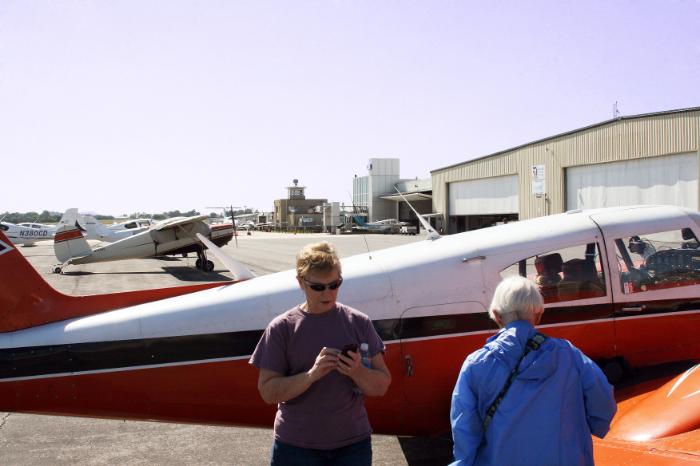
pixel 364 354
pixel 364 357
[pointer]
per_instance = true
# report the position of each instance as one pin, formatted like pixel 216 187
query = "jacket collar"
pixel 514 335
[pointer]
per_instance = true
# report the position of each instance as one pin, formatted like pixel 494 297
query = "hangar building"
pixel 640 159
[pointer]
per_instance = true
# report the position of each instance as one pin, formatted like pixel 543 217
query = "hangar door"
pixel 670 179
pixel 479 203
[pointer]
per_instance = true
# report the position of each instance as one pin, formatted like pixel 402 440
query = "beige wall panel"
pixel 623 139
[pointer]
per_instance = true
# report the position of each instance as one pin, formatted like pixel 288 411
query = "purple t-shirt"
pixel 331 413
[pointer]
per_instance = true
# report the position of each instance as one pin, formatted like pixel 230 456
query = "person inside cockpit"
pixel 641 247
pixel 689 239
pixel 548 268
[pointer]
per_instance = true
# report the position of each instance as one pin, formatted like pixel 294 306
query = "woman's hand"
pixel 349 365
pixel 326 361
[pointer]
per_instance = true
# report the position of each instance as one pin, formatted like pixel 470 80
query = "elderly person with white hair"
pixel 525 398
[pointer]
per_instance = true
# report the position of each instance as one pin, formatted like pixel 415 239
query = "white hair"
pixel 516 298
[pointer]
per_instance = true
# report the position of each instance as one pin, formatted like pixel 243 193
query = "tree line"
pixel 47 216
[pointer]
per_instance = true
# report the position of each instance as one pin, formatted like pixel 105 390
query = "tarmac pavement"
pixel 36 440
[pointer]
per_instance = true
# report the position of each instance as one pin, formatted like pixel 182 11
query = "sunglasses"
pixel 323 286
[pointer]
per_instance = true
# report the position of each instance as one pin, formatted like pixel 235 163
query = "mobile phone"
pixel 351 347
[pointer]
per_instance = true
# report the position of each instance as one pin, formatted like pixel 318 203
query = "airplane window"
pixel 4 227
pixel 660 260
pixel 130 225
pixel 567 274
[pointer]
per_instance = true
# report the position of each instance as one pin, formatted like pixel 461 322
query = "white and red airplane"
pixel 170 356
pixel 174 236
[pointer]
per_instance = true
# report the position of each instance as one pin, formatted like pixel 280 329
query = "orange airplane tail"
pixel 27 300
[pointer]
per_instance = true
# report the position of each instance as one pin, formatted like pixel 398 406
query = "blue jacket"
pixel 557 400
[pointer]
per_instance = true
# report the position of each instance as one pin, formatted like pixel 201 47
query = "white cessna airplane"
pixel 178 235
pixel 94 229
pixel 27 234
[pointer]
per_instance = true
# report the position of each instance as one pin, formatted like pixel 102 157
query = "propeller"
pixel 233 220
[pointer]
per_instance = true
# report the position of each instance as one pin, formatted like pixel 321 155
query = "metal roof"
pixel 603 123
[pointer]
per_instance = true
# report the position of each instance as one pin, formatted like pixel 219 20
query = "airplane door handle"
pixel 409 365
pixel 641 308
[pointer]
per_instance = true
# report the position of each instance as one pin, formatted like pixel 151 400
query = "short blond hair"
pixel 317 257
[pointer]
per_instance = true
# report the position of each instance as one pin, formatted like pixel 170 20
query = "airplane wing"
pixel 178 221
pixel 239 271
pixel 655 425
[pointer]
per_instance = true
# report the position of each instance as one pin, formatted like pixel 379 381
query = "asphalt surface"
pixel 33 439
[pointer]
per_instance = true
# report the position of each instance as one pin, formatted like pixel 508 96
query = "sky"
pixel 148 106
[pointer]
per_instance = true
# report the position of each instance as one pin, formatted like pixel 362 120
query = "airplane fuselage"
pixel 152 242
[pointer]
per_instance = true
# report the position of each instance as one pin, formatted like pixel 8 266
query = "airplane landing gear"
pixel 57 269
pixel 202 263
pixel 615 369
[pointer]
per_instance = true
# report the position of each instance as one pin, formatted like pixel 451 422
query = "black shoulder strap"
pixel 533 343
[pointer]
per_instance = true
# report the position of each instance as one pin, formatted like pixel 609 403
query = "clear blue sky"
pixel 124 106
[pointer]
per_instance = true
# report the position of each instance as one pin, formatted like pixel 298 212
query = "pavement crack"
pixel 4 420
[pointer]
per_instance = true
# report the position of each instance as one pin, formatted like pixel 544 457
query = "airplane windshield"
pixel 659 260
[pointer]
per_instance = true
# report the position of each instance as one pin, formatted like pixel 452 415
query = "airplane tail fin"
pixel 69 243
pixel 27 300
pixel 22 287
pixel 94 227
pixel 70 216
pixel 359 220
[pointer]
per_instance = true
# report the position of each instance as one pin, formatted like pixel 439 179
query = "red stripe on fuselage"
pixel 67 235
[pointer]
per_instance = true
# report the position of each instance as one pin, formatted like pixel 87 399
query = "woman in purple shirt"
pixel 319 391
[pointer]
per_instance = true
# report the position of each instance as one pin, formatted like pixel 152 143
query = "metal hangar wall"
pixel 641 159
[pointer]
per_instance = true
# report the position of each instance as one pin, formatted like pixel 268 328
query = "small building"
pixel 298 212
